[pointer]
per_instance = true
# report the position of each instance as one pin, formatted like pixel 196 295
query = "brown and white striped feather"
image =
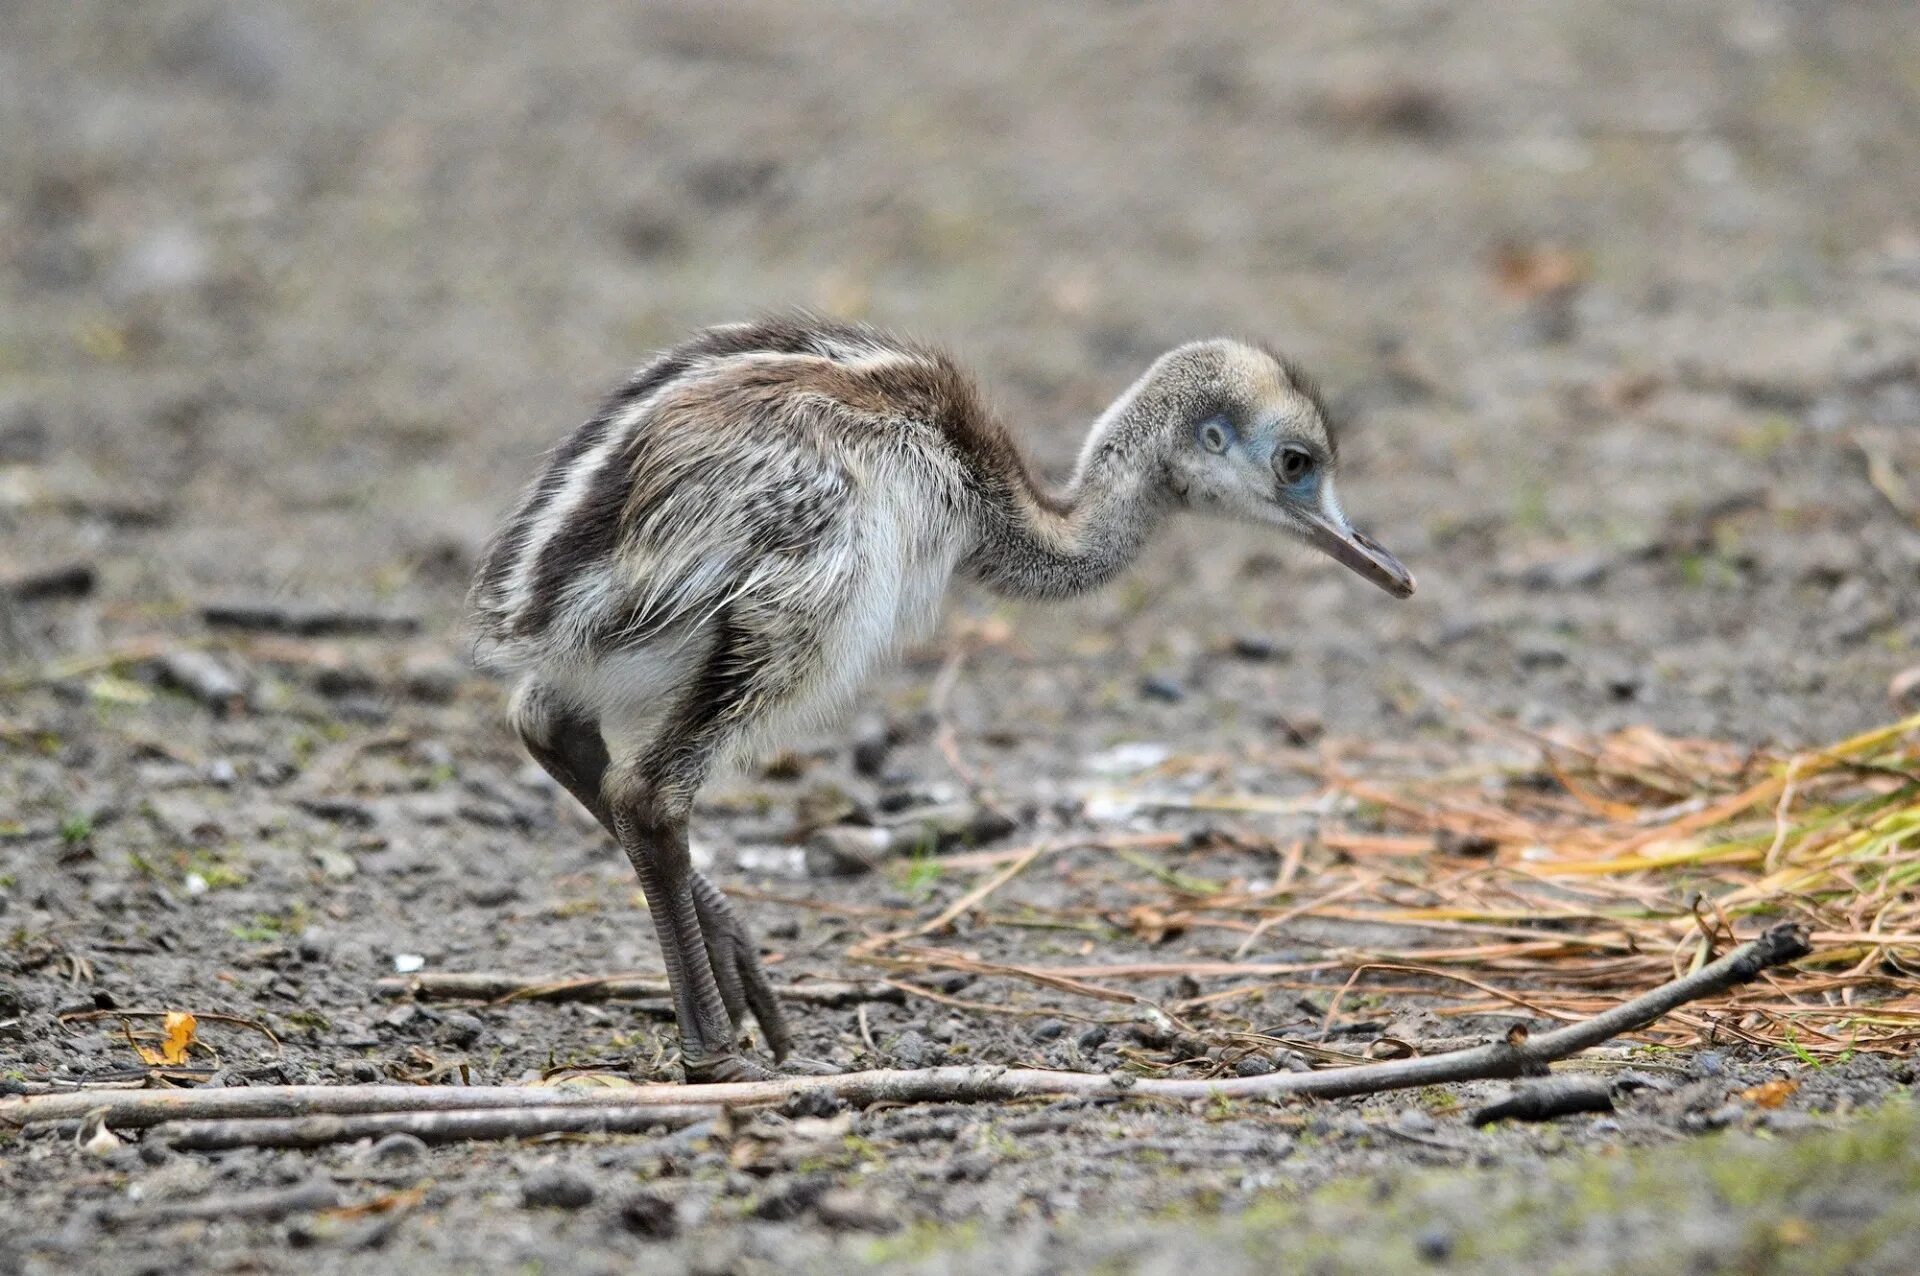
pixel 792 483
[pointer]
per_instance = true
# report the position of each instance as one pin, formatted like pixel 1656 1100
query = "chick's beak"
pixel 1348 545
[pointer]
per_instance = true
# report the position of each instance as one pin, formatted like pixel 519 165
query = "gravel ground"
pixel 1622 306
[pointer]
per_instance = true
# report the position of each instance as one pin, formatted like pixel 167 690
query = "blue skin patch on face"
pixel 1303 492
pixel 1217 434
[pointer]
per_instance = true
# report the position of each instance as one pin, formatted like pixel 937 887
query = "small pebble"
pixel 434 682
pixel 1583 571
pixel 1250 647
pixel 788 1203
pixel 492 894
pixel 872 742
pixel 345 680
pixel 1162 688
pixel 556 1188
pixel 650 1215
pixel 204 677
pixel 912 1050
pixel 1542 655
pixel 1725 1115
pixel 1629 1080
pixel 462 1029
pixel 846 1209
pixel 1624 686
pixel 398 1147
pixel 1434 1245
pixel 969 1167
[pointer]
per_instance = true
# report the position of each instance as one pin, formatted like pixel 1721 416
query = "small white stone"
pixel 407 963
pixel 1128 759
pixel 772 861
pixel 1109 807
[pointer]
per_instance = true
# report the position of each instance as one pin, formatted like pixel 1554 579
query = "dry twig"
pixel 308 1115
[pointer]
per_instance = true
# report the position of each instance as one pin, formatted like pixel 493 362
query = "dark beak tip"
pixel 1360 552
pixel 1394 578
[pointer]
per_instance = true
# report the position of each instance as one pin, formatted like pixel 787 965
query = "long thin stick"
pixel 138 1109
pixel 1517 1056
pixel 429 1127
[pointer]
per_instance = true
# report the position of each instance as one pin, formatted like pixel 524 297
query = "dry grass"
pixel 1553 889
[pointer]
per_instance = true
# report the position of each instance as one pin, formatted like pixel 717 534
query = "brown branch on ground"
pixel 429 1127
pixel 524 1111
pixel 140 1109
pixel 1544 1100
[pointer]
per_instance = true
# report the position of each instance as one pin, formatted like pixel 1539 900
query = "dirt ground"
pixel 1621 304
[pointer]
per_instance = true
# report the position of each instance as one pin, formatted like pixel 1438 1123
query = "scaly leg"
pixel 569 747
pixel 656 844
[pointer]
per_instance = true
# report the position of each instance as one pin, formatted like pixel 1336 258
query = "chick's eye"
pixel 1214 434
pixel 1294 464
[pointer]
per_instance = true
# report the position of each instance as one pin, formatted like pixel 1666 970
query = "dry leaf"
pixel 1770 1095
pixel 180 1029
pixel 1149 923
pixel 588 1081
pixel 1526 272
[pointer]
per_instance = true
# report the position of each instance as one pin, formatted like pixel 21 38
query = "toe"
pixel 727 1067
pixel 801 1066
pixel 766 1007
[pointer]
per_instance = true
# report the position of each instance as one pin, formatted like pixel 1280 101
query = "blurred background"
pixel 1621 304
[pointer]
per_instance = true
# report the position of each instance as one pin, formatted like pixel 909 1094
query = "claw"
pixel 801 1066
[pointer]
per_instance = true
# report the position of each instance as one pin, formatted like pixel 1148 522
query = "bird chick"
pixel 723 553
